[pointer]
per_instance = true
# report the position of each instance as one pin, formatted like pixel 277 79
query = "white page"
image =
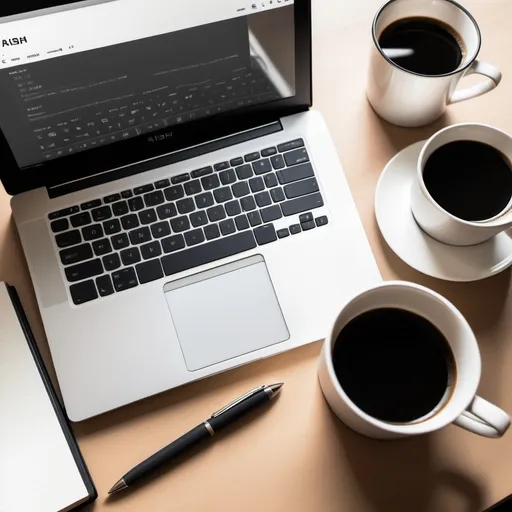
pixel 37 469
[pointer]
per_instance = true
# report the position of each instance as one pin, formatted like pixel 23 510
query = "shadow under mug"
pixel 463 407
pixel 411 99
pixel 435 220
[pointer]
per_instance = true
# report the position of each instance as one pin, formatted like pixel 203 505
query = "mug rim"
pixel 412 428
pixel 451 73
pixel 501 219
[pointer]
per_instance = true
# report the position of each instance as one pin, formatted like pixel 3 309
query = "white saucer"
pixel 414 246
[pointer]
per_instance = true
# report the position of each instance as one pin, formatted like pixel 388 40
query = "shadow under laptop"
pixel 402 475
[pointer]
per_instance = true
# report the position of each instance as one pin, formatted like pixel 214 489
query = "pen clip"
pixel 237 401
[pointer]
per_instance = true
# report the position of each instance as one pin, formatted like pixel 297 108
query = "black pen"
pixel 218 420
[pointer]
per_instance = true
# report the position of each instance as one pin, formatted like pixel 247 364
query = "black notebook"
pixel 41 467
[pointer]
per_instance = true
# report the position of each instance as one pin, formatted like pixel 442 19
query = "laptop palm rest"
pixel 225 312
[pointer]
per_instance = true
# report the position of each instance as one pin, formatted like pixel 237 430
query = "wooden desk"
pixel 296 457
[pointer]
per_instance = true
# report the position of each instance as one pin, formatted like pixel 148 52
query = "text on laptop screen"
pixel 91 74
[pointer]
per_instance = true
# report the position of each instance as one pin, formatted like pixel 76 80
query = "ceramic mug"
pixel 463 407
pixel 431 217
pixel 410 99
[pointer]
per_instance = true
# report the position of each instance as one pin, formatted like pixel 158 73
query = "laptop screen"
pixel 92 74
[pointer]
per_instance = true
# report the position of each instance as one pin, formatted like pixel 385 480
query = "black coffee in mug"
pixel 426 46
pixel 394 365
pixel 469 179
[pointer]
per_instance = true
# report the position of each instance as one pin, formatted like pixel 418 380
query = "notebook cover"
pixel 59 411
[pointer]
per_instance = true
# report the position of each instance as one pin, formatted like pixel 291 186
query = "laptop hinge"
pixel 160 161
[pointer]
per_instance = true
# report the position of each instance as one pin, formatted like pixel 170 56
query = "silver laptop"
pixel 181 209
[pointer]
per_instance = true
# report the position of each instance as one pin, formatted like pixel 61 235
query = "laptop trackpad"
pixel 225 312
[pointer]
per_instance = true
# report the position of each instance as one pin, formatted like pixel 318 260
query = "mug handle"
pixel 483 418
pixel 478 68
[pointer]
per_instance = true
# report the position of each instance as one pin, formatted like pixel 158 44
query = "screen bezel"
pixel 135 150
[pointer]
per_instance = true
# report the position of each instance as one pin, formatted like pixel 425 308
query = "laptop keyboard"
pixel 131 238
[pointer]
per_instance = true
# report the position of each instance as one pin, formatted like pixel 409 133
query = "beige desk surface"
pixel 296 457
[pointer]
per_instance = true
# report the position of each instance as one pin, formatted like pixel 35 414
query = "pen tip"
pixel 118 486
pixel 276 387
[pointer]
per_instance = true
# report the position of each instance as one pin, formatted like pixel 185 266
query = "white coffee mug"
pixel 463 407
pixel 410 99
pixel 436 221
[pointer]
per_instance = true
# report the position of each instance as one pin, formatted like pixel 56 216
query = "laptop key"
pixel 147 216
pixel 173 243
pixel 88 205
pixel 270 180
pixel 265 234
pixel 102 247
pixel 211 231
pixel 236 161
pixel 124 279
pixel 277 195
pixel 135 204
pixel 180 224
pixel 210 182
pixel 301 188
pixel 162 183
pixel 64 212
pixel 59 225
pixel 160 229
pixel 223 194
pixel 151 250
pixel 130 256
pixel 263 199
pixel 198 218
pixel 154 198
pixel 166 211
pixel 194 237
pixel 227 177
pixel 262 166
pixel 306 217
pixel 111 262
pixel 120 241
pixel 126 194
pixel 227 227
pixel 83 271
pixel 233 208
pixel 322 221
pixel 193 187
pixel 241 222
pixel 292 144
pixel 241 189
pixel 104 285
pixel 140 236
pixel 271 213
pixel 216 213
pixel 81 219
pixel 295 174
pixel 298 156
pixel 248 203
pixel 92 232
pixel 120 208
pixel 180 178
pixel 244 172
pixel 174 193
pixel 254 218
pixel 101 214
pixel 295 229
pixel 252 156
pixel 306 226
pixel 111 227
pixel 283 233
pixel 83 292
pixel 277 162
pixel 149 271
pixel 302 204
pixel 111 198
pixel 130 221
pixel 256 184
pixel 186 205
pixel 202 172
pixel 144 189
pixel 76 254
pixel 268 151
pixel 221 166
pixel 211 251
pixel 204 200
